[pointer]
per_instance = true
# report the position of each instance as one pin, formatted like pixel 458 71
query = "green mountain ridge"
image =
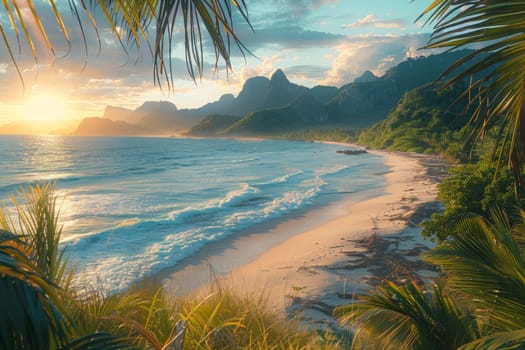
pixel 303 112
pixel 214 124
pixel 359 104
pixel 275 107
pixel 426 120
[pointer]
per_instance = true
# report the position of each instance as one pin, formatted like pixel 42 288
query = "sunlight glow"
pixel 45 107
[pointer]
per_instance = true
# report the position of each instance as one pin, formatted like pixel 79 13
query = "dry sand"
pixel 319 259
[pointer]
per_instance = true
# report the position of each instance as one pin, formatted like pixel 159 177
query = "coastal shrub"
pixel 327 134
pixel 471 190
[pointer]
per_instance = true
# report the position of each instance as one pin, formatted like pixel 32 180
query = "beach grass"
pixel 42 309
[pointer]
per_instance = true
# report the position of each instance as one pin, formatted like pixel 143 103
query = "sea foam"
pixel 136 205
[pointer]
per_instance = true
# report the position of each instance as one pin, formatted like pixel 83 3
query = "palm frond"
pixel 99 311
pixel 500 341
pixel 495 29
pixel 408 317
pixel 37 224
pixel 131 22
pixel 486 263
pixel 99 341
pixel 32 317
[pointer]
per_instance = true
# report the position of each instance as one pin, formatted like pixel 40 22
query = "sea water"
pixel 132 206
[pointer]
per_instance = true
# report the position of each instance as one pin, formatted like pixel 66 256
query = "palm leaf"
pixel 486 263
pixel 32 317
pixel 99 341
pixel 37 224
pixel 496 28
pixel 130 22
pixel 101 311
pixel 408 317
pixel 511 340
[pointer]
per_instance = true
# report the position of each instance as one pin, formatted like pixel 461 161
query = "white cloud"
pixel 264 69
pixel 374 53
pixel 371 21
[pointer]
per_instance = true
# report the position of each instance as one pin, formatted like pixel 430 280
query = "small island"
pixel 351 151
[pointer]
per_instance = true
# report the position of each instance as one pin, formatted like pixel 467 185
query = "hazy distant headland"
pixel 273 107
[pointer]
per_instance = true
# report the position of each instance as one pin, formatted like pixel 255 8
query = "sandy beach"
pixel 321 258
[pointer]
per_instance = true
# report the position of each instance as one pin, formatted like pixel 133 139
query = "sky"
pixel 315 42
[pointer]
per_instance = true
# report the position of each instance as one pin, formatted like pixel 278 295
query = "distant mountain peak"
pixel 278 76
pixel 366 77
pixel 255 83
pixel 229 98
pixel 154 106
pixel 116 113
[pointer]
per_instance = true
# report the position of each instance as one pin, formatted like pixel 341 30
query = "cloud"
pixel 290 37
pixel 264 69
pixel 307 72
pixel 371 21
pixel 374 53
pixel 292 9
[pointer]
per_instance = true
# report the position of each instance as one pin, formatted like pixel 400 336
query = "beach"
pixel 320 259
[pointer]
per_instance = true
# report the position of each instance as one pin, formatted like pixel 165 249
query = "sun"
pixel 45 107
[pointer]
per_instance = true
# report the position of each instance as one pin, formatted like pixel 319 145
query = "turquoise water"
pixel 136 205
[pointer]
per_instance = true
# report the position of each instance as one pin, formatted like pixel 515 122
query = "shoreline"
pixel 297 262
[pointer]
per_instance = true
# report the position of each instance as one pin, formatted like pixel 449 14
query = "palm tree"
pixel 495 68
pixel 24 291
pixel 131 21
pixel 482 303
pixel 485 262
pixel 35 294
pixel 409 316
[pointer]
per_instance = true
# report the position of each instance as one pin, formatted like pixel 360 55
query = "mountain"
pixel 359 104
pixel 426 120
pixel 366 77
pixel 221 106
pixel 260 93
pixel 161 116
pixel 291 107
pixel 304 112
pixel 213 125
pixel 149 107
pixel 164 117
pixel 104 127
pixel 120 113
pixel 323 94
pixel 260 97
pixel 257 94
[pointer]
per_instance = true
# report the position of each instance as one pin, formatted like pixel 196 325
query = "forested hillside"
pixel 426 120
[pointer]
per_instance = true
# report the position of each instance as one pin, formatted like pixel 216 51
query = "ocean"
pixel 133 206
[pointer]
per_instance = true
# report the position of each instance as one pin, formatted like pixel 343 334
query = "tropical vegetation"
pixel 478 300
pixel 471 190
pixel 43 309
pixel 424 121
pixel 477 304
pixel 495 69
